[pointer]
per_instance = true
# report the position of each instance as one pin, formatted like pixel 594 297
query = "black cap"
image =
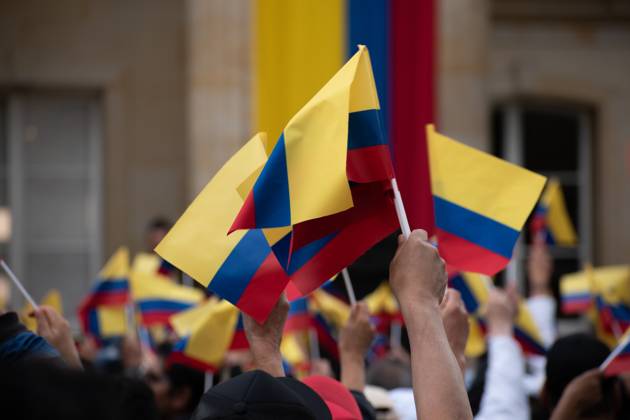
pixel 258 395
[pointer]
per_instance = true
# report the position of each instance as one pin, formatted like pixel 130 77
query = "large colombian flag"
pixel 327 179
pixel 481 203
pixel 239 267
pixel 298 45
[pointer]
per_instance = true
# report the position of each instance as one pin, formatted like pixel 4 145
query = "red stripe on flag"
pixel 239 341
pixel 620 364
pixel 156 317
pixel 412 44
pixel 264 288
pixel 463 255
pixel 299 322
pixel 183 359
pixel 246 216
pixel 369 164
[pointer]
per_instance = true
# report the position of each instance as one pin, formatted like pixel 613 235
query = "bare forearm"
pixel 352 371
pixel 438 386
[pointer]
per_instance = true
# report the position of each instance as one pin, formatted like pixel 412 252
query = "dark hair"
pixel 181 377
pixel 159 223
pixel 568 358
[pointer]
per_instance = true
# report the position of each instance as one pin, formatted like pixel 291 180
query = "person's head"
pixel 567 359
pixel 176 388
pixel 156 230
pixel 390 373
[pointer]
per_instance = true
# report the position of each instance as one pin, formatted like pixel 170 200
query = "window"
pixel 555 141
pixel 53 178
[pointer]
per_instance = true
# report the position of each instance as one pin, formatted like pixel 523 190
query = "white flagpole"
pixel 208 380
pixel 400 210
pixel 18 284
pixel 349 288
pixel 614 353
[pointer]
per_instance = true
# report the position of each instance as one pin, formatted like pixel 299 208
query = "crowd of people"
pixel 48 374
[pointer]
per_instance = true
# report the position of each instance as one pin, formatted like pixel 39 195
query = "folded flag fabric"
pixel 619 359
pixel 205 341
pixel 481 203
pixel 239 267
pixel 334 138
pixel 239 340
pixel 102 312
pixel 157 298
pixel 551 219
pixel 300 316
pixel 474 291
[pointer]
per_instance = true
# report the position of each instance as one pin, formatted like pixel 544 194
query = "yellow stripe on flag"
pixel 117 267
pixel 480 182
pixel 558 220
pixel 198 244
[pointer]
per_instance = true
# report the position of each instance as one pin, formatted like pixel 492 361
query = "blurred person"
pixel 542 305
pixel 382 403
pixel 38 389
pixel 504 395
pixel 17 343
pixel 156 231
pixel 575 388
pixel 265 393
pixel 418 280
pixel 55 329
pixel 355 339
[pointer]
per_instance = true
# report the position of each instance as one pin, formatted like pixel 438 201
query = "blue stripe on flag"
pixel 364 129
pixel 474 227
pixel 271 190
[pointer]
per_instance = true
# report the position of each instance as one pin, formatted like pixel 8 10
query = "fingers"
pixel 44 327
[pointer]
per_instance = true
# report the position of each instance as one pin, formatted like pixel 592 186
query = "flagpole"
pixel 18 284
pixel 208 380
pixel 400 210
pixel 349 288
pixel 614 353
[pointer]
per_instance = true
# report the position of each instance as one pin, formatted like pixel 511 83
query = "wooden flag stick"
pixel 349 288
pixel 18 284
pixel 400 210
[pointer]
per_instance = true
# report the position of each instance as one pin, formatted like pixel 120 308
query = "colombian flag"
pixel 481 203
pixel 52 299
pixel 239 267
pixel 102 313
pixel 327 179
pixel 576 292
pixel 611 294
pixel 206 335
pixel 474 291
pixel 619 359
pixel 334 138
pixel 157 298
pixel 383 308
pixel 551 219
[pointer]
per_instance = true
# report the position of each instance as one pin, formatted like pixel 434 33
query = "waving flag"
pixel 480 202
pixel 611 293
pixel 206 339
pixel 239 267
pixel 102 313
pixel 619 359
pixel 474 291
pixel 383 308
pixel 157 298
pixel 336 136
pixel 551 219
pixel 576 294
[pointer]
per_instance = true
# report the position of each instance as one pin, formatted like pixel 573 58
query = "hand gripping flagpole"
pixel 400 210
pixel 18 284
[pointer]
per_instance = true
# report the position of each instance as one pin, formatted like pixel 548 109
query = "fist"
pixel 417 273
pixel 357 335
pixel 455 320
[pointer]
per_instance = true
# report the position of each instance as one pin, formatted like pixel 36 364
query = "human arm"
pixel 418 279
pixel 456 326
pixel 55 329
pixel 354 341
pixel 264 339
pixel 504 394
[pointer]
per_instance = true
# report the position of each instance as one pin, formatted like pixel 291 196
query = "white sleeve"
pixel 543 310
pixel 504 395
